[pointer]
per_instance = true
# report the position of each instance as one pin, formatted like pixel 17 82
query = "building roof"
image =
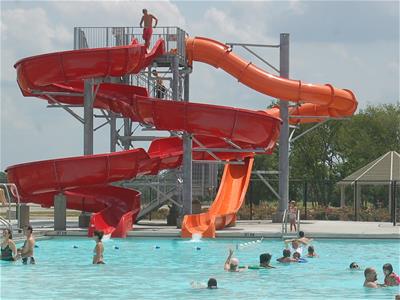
pixel 380 171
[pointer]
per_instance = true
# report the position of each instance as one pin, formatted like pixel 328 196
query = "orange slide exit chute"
pixel 325 100
pixel 228 201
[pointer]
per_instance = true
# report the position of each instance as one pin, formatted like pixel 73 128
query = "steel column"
pixel 284 132
pixel 113 132
pixel 187 160
pixel 60 212
pixel 88 100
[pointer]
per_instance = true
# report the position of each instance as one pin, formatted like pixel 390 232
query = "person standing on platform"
pixel 147 21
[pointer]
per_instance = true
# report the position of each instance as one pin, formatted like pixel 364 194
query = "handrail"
pixel 284 222
pixel 8 198
pixel 298 221
pixel 6 223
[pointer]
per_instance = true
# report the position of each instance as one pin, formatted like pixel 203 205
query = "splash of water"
pixel 196 237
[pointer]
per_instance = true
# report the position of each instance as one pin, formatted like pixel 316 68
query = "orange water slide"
pixel 314 99
pixel 228 201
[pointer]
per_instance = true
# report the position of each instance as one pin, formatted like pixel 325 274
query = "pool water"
pixel 138 270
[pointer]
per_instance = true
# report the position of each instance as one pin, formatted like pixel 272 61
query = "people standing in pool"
pixel 265 261
pixel 232 264
pixel 292 215
pixel 311 252
pixel 8 248
pixel 98 250
pixel 211 284
pixel 26 252
pixel 304 240
pixel 391 278
pixel 354 266
pixel 286 257
pixel 294 245
pixel 371 279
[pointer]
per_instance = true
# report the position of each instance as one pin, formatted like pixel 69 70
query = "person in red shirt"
pixel 147 21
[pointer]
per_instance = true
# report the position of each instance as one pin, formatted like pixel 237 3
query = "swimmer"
pixel 211 284
pixel 370 279
pixel 26 252
pixel 286 257
pixel 311 252
pixel 99 248
pixel 304 240
pixel 265 260
pixel 354 266
pixel 391 278
pixel 295 246
pixel 232 264
pixel 8 248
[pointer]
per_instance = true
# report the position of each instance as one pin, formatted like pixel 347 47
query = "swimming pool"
pixel 137 270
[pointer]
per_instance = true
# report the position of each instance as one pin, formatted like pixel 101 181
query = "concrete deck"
pixel 243 229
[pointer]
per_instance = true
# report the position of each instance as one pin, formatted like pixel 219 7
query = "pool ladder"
pixel 285 220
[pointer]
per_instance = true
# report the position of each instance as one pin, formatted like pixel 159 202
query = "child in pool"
pixel 311 252
pixel 391 278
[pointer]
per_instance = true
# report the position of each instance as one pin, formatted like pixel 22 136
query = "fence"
pixel 327 200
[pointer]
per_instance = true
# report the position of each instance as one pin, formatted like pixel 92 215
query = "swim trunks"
pixel 147 33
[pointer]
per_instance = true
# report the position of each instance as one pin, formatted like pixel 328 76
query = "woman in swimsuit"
pixel 99 248
pixel 8 248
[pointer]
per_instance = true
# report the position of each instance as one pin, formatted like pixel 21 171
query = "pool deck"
pixel 243 229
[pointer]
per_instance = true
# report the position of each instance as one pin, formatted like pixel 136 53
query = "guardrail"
pixel 11 191
pixel 97 37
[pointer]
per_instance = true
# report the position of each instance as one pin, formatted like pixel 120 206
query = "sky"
pixel 349 44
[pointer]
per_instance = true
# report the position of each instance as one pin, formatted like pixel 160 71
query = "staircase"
pixel 156 204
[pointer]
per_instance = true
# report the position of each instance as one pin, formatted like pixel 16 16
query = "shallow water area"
pixel 164 268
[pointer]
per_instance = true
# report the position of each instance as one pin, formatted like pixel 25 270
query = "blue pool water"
pixel 137 270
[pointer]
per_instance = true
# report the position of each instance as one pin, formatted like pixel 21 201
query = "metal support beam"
pixel 65 107
pixel 221 162
pixel 127 133
pixel 307 131
pixel 88 101
pixel 262 59
pixel 284 133
pixel 113 131
pixel 187 158
pixel 229 150
pixel 268 185
pixel 60 212
pixel 253 45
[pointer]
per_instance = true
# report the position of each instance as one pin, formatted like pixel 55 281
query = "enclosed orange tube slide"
pixel 322 100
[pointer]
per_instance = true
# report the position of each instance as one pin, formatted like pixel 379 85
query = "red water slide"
pixel 85 181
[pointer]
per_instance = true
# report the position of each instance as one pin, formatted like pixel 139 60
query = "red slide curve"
pixel 85 181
